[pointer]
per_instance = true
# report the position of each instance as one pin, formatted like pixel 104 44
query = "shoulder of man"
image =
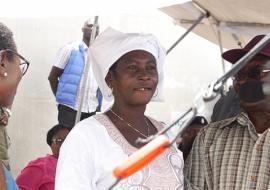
pixel 73 44
pixel 217 127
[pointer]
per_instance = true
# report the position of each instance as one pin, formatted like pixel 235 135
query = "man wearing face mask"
pixel 235 153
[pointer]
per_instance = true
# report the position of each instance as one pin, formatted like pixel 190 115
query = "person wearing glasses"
pixel 39 174
pixel 66 80
pixel 234 154
pixel 12 67
pixel 5 112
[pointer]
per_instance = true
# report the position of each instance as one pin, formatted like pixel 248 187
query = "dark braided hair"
pixel 6 40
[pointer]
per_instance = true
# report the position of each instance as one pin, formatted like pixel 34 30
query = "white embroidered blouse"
pixel 95 147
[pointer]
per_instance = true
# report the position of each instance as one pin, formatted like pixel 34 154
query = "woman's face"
pixel 10 76
pixel 135 78
pixel 58 139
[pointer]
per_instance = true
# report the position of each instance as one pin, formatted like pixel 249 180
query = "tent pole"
pixel 202 16
pixel 221 50
pixel 81 99
pixel 225 85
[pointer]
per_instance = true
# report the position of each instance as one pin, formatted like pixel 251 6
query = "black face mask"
pixel 252 91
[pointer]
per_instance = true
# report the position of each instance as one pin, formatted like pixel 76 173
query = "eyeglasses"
pixel 256 73
pixel 58 141
pixel 24 63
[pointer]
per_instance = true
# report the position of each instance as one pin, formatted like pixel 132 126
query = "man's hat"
pixel 234 55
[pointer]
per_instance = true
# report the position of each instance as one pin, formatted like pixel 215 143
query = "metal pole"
pixel 209 97
pixel 221 51
pixel 239 65
pixel 202 16
pixel 87 66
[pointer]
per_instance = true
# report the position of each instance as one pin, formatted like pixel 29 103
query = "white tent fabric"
pixel 237 21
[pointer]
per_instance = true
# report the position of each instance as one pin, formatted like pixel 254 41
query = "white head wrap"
pixel 110 45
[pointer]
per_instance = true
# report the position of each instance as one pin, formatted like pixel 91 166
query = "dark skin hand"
pixel 54 77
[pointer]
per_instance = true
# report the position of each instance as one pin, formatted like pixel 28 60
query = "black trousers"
pixel 67 115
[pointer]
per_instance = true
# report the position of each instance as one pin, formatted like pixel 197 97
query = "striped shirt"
pixel 229 155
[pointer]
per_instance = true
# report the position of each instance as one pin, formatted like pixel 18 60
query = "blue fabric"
pixel 100 98
pixel 11 185
pixel 70 79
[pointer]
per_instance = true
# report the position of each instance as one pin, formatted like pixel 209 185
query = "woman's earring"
pixel 156 93
pixel 5 74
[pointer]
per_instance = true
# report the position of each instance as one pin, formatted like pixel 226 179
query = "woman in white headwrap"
pixel 128 69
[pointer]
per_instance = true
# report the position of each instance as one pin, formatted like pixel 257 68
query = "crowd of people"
pixel 231 152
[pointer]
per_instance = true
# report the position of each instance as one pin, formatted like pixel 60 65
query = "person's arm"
pixel 30 178
pixel 194 169
pixel 60 63
pixel 54 77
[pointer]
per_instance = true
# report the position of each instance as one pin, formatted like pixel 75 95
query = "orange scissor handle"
pixel 142 157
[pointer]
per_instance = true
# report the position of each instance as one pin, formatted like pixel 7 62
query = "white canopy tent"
pixel 228 23
pixel 236 21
